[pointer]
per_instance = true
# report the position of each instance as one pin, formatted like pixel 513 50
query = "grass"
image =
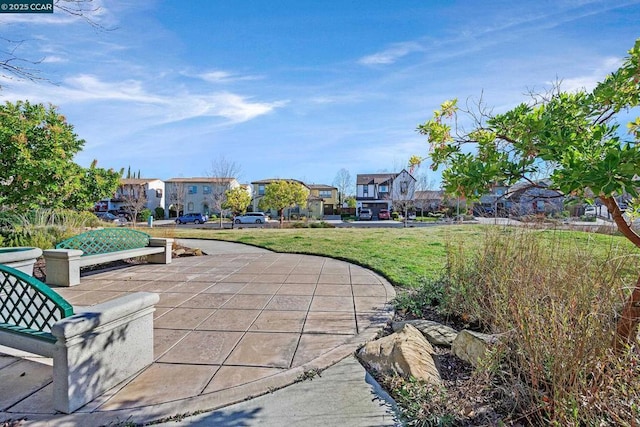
pixel 407 257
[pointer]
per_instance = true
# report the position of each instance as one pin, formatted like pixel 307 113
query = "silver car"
pixel 251 218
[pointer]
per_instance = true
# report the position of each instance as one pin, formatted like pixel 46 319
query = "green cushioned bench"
pixel 93 348
pixel 101 246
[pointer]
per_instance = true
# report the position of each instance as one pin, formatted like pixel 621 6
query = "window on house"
pixel 158 193
pixel 404 187
pixel 190 206
pixel 193 189
pixel 325 193
pixel 206 189
pixel 261 190
pixel 384 188
pixel 365 190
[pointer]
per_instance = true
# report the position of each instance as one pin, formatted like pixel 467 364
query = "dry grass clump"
pixel 554 302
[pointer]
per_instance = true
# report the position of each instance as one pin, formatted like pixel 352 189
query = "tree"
pixel 222 173
pixel 344 184
pixel 237 200
pixel 37 147
pixel 13 65
pixel 96 184
pixel 573 138
pixel 177 196
pixel 133 194
pixel 283 194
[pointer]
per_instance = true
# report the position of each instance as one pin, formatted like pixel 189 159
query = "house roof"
pixel 321 187
pixel 375 178
pixel 137 181
pixel 429 195
pixel 270 180
pixel 202 179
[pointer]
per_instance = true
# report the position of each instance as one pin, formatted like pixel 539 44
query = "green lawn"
pixel 404 256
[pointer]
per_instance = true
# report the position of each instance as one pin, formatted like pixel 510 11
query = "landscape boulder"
pixel 471 346
pixel 405 352
pixel 436 333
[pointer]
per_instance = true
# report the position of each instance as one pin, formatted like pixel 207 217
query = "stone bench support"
pixel 96 348
pixel 63 265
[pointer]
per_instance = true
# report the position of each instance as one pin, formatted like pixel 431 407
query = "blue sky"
pixel 299 89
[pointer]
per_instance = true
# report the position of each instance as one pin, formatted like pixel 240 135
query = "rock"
pixel 178 252
pixel 436 333
pixel 406 353
pixel 472 346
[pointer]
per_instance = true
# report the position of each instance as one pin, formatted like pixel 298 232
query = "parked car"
pixel 109 217
pixel 366 215
pixel 384 214
pixel 251 218
pixel 590 211
pixel 196 218
pixel 121 213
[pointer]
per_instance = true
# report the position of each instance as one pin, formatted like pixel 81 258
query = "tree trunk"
pixel 627 327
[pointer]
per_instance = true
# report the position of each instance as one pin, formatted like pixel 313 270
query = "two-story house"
pixel 259 188
pixel 135 194
pixel 196 195
pixel 325 200
pixel 385 191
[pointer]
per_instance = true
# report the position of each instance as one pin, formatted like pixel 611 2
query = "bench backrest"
pixel 106 240
pixel 28 305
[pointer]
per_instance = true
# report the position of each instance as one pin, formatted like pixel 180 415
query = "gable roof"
pixel 375 178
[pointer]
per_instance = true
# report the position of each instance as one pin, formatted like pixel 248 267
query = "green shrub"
pixel 144 215
pixel 395 215
pixel 159 212
pixel 43 228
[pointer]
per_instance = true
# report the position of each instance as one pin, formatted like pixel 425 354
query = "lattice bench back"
pixel 29 306
pixel 106 240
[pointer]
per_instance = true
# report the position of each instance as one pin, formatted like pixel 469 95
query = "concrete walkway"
pixel 237 324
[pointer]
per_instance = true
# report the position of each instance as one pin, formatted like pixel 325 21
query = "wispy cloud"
pixel 160 108
pixel 220 76
pixel 588 82
pixel 391 54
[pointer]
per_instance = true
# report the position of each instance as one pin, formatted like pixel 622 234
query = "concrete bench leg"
pixel 63 266
pixel 101 346
pixel 161 258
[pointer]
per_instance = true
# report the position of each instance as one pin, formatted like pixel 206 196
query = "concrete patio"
pixel 235 324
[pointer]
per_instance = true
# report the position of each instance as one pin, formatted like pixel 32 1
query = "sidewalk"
pixel 234 325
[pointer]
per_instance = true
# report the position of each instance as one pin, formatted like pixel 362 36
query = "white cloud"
pixel 391 54
pixel 220 76
pixel 589 82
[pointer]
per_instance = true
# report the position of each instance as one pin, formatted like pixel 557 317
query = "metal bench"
pixel 101 246
pixel 92 350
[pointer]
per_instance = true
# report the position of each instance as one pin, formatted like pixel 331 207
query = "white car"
pixel 251 218
pixel 590 211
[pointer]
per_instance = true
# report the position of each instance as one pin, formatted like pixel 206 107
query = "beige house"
pixel 196 195
pixel 322 200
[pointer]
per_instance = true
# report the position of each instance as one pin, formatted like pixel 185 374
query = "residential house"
pixel 314 203
pixel 385 191
pixel 530 198
pixel 323 200
pixel 429 201
pixel 493 202
pixel 134 195
pixel 196 195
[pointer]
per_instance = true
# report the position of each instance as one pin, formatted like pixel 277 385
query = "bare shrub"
pixel 554 300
